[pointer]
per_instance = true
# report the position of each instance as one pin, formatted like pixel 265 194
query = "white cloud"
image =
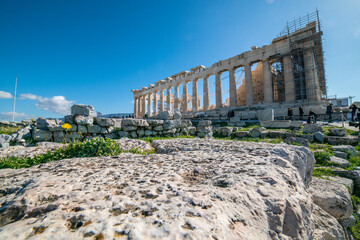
pixel 29 96
pixel 56 104
pixel 8 116
pixel 270 1
pixel 4 95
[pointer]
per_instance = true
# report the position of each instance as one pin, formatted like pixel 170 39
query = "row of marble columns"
pixel 142 104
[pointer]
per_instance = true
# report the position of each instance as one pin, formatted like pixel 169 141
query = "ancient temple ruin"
pixel 288 72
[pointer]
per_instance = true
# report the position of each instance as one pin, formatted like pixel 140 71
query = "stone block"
pixel 169 124
pixel 265 115
pixel 296 124
pixel 297 140
pixel 256 132
pixel 54 128
pixel 345 148
pixel 41 135
pixel 140 132
pixel 158 128
pixel 165 115
pixel 83 120
pixel 117 122
pixel 319 137
pixel 4 140
pixel 135 122
pixel 155 122
pixel 276 124
pixel 205 123
pixel 279 134
pixel 42 123
pixel 96 129
pixel 133 134
pixel 337 132
pixel 312 128
pixel 104 122
pixel 344 181
pixel 129 128
pixel 339 154
pixel 81 109
pixel 343 163
pixel 347 140
pixel 59 137
pixel 148 133
pixel 82 129
pixel 69 119
pixel 242 134
pixel 177 115
pixel 123 134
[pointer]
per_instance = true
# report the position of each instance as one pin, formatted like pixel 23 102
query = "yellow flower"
pixel 66 126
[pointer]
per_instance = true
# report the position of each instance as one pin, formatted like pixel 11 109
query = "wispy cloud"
pixel 56 104
pixel 29 96
pixel 4 95
pixel 269 1
pixel 8 116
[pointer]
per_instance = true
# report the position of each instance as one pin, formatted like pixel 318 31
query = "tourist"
pixel 313 114
pixel 309 120
pixel 301 112
pixel 353 108
pixel 329 111
pixel 290 114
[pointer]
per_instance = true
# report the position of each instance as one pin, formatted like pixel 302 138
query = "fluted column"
pixel 218 90
pixel 149 104
pixel 185 98
pixel 138 112
pixel 248 86
pixel 268 87
pixel 206 93
pixel 176 98
pixel 135 106
pixel 312 77
pixel 195 104
pixel 143 106
pixel 232 88
pixel 168 99
pixel 161 107
pixel 154 104
pixel 288 79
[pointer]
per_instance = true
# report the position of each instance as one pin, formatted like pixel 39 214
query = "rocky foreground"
pixel 191 189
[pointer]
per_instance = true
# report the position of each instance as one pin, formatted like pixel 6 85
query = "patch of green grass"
pixel 354 162
pixel 321 172
pixel 151 139
pixel 89 148
pixel 319 146
pixel 249 126
pixel 355 230
pixel 323 159
pixel 8 130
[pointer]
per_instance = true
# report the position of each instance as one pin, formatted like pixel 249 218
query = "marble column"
pixel 161 107
pixel 185 98
pixel 232 88
pixel 138 112
pixel 312 77
pixel 268 87
pixel 176 98
pixel 155 104
pixel 149 104
pixel 143 106
pixel 195 104
pixel 288 79
pixel 135 106
pixel 206 93
pixel 248 85
pixel 168 99
pixel 218 90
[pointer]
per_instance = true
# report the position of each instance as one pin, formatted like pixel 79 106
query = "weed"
pixel 321 172
pixel 8 130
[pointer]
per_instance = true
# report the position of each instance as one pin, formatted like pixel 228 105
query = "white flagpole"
pixel 13 116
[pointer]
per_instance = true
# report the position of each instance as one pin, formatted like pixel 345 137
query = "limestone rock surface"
pixel 210 190
pixel 332 197
pixel 312 128
pixel 81 109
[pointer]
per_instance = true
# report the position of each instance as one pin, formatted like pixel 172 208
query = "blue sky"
pixel 95 52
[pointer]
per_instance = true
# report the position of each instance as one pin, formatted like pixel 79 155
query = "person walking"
pixel 329 111
pixel 353 108
pixel 313 114
pixel 301 112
